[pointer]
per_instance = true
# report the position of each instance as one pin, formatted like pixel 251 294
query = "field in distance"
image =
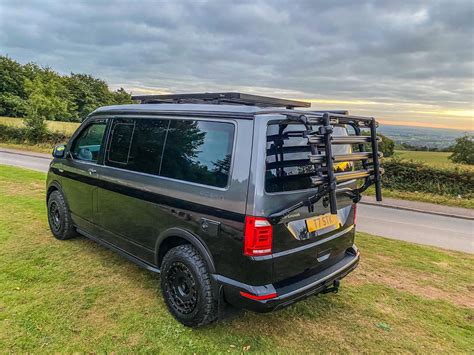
pixel 435 159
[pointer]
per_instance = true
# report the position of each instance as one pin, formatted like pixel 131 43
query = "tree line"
pixel 30 90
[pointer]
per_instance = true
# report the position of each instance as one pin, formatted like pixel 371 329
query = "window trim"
pixel 109 143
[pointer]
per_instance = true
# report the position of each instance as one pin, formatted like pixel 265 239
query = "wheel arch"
pixel 53 186
pixel 176 236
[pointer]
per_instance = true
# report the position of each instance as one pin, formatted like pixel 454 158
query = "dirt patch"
pixel 32 189
pixel 413 282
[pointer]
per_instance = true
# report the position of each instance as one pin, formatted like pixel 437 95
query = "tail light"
pixel 258 236
pixel 355 212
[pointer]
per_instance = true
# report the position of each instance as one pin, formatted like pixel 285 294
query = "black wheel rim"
pixel 55 216
pixel 181 288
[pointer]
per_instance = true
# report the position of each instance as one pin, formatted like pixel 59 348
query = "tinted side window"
pixel 87 145
pixel 137 144
pixel 198 151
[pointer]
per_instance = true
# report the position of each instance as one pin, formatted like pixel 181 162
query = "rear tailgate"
pixel 312 219
pixel 304 241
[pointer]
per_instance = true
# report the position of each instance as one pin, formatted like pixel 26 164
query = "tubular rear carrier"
pixel 321 141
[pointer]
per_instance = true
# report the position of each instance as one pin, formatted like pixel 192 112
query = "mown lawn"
pixel 77 296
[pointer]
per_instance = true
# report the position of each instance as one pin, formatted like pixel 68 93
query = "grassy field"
pixel 66 127
pixel 435 159
pixel 77 296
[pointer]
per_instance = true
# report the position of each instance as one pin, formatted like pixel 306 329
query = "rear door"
pixel 304 240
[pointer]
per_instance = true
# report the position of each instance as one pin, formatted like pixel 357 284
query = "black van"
pixel 235 199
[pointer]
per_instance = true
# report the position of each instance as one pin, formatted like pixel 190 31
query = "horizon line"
pixel 422 125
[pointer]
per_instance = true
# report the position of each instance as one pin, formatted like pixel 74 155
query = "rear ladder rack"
pixel 322 140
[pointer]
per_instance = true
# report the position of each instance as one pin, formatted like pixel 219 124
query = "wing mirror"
pixel 59 151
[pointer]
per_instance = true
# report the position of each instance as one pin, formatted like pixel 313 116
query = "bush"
pixel 412 176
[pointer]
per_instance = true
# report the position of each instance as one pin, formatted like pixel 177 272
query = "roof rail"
pixel 221 98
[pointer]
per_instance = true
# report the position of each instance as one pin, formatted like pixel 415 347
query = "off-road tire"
pixel 198 306
pixel 59 218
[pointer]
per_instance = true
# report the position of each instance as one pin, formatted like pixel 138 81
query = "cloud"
pixel 403 52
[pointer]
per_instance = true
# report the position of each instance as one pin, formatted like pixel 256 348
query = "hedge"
pixel 412 176
pixel 20 135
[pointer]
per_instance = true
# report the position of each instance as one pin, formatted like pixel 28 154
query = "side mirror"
pixel 59 151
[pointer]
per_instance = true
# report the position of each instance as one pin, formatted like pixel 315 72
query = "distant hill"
pixel 422 136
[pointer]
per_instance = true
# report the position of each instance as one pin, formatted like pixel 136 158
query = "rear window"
pixel 198 151
pixel 287 162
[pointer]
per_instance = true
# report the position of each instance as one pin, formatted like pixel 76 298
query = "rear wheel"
pixel 59 219
pixel 187 288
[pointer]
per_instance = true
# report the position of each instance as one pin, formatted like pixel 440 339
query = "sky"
pixel 404 62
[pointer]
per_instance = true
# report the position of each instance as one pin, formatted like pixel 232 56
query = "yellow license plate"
pixel 322 222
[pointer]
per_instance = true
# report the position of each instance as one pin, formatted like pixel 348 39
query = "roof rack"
pixel 221 98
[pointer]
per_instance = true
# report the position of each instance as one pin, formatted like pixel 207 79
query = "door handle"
pixel 91 171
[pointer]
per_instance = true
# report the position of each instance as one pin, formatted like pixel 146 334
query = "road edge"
pixel 416 210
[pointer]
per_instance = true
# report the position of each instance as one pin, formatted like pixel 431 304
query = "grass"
pixel 77 296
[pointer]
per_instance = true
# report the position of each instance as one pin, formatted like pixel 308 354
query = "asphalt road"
pixel 417 227
pixel 33 161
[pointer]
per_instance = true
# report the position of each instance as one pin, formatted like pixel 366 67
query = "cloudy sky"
pixel 404 61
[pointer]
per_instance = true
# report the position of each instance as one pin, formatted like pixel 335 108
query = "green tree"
pixel 73 96
pixel 45 102
pixel 121 97
pixel 463 150
pixel 386 146
pixel 12 90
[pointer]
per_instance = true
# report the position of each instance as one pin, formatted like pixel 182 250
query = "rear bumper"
pixel 291 292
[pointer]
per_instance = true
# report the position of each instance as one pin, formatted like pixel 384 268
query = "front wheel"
pixel 59 219
pixel 187 287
